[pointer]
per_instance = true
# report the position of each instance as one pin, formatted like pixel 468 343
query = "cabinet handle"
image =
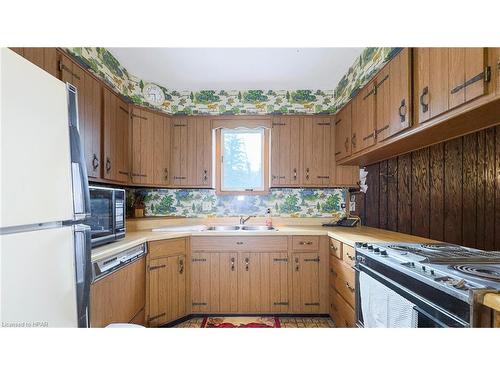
pixel 350 257
pixel 205 177
pixel 353 140
pixel 402 111
pixel 294 173
pixel 296 264
pixel 152 268
pixel 181 265
pixel 247 261
pixel 305 243
pixel 232 264
pixel 166 173
pixel 307 173
pixel 95 162
pixel 333 247
pixel 108 165
pixel 239 243
pixel 349 287
pixel 346 144
pixel 424 104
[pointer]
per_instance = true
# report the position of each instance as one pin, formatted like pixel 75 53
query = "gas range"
pixel 440 273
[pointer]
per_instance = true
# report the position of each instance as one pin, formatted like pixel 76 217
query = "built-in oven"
pixel 432 308
pixel 107 214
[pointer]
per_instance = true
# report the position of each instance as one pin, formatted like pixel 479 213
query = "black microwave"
pixel 107 215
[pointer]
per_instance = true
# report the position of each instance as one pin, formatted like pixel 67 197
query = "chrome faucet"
pixel 243 221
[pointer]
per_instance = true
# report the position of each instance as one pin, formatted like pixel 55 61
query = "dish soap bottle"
pixel 269 221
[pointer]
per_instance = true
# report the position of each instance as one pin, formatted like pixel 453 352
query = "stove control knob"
pixel 412 265
pixel 370 247
pixel 423 268
pixel 383 253
pixel 376 249
pixel 432 272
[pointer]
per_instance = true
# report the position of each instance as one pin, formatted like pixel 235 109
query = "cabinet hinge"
pixel 280 303
pixel 151 268
pixel 199 304
pixel 156 317
pixel 280 259
pixel 311 304
pixel 199 259
pixel 487 74
pixel 311 259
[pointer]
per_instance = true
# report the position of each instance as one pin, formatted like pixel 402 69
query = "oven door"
pixel 101 221
pixel 428 315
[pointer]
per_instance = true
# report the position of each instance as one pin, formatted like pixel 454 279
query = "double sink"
pixel 226 228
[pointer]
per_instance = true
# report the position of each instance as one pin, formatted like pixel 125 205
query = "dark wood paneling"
pixel 469 188
pixel 453 191
pixel 392 194
pixel 448 192
pixel 383 196
pixel 420 193
pixel 372 196
pixel 404 193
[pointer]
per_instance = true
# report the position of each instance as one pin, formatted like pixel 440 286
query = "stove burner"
pixel 480 270
pixel 441 246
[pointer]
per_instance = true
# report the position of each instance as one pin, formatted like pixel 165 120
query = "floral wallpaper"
pixel 106 66
pixel 200 203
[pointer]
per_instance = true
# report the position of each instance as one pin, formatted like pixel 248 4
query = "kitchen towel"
pixel 384 308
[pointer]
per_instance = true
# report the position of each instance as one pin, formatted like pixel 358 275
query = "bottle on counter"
pixel 269 221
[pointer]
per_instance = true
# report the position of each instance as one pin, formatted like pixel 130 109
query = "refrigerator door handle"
pixel 83 268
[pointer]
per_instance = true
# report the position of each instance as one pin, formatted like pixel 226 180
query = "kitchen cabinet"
pixel 45 58
pixel 363 119
pixel 494 59
pixel 116 124
pixel 89 111
pixel 191 157
pixel 167 287
pixel 119 297
pixel 392 96
pixel 446 78
pixel 343 132
pixel 263 282
pixel 142 146
pixel 161 147
pixel 306 283
pixel 285 151
pixel 316 151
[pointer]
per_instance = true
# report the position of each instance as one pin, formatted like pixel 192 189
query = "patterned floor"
pixel 288 322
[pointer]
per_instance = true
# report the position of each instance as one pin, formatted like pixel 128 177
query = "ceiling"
pixel 239 68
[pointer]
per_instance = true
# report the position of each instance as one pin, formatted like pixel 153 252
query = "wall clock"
pixel 153 94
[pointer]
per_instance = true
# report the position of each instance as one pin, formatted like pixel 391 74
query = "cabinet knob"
pixel 247 261
pixel 232 264
pixel 349 287
pixel 402 111
pixel 307 173
pixel 181 265
pixel 294 173
pixel 95 162
pixel 424 99
pixel 108 165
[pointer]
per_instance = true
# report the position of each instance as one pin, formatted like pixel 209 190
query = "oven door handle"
pixel 430 317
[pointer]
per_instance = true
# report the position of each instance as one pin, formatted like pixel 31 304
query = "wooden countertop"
pixel 346 235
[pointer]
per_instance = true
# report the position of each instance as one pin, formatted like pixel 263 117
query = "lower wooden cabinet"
pixel 119 297
pixel 306 282
pixel 166 282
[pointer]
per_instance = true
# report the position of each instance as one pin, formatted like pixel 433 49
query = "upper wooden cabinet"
pixel 343 133
pixel 142 146
pixel 285 151
pixel 116 121
pixel 446 78
pixel 45 58
pixel 392 96
pixel 316 151
pixel 89 111
pixel 363 118
pixel 161 156
pixel 494 60
pixel 191 152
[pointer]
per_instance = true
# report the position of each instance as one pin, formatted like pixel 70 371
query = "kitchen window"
pixel 242 159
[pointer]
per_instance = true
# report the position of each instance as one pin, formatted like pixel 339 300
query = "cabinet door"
pixel 343 133
pixel 276 265
pixel 158 292
pixel 179 164
pixel 45 58
pixel 228 282
pixel 467 80
pixel 176 287
pixel 116 138
pixel 200 282
pixel 249 282
pixel 142 146
pixel 200 158
pixel 495 69
pixel 305 282
pixel 90 124
pixel 363 119
pixel 161 136
pixel 316 151
pixel 383 102
pixel 285 151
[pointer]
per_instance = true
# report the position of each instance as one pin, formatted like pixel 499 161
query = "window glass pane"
pixel 242 166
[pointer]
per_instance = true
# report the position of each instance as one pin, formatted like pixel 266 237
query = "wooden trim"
pixel 244 123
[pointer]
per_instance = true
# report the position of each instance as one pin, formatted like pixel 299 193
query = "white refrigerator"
pixel 45 269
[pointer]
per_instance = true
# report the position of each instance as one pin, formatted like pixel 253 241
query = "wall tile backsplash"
pixel 201 203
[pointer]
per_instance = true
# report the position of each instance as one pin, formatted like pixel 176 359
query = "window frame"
pixel 219 162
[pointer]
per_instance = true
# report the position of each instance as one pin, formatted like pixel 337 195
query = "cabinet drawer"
pixel 344 280
pixel 348 254
pixel 345 314
pixel 336 248
pixel 158 249
pixel 305 243
pixel 235 243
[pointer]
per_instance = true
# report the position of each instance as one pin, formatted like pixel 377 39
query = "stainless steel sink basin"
pixel 222 228
pixel 257 227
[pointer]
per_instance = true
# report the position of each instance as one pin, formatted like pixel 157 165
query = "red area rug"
pixel 241 322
